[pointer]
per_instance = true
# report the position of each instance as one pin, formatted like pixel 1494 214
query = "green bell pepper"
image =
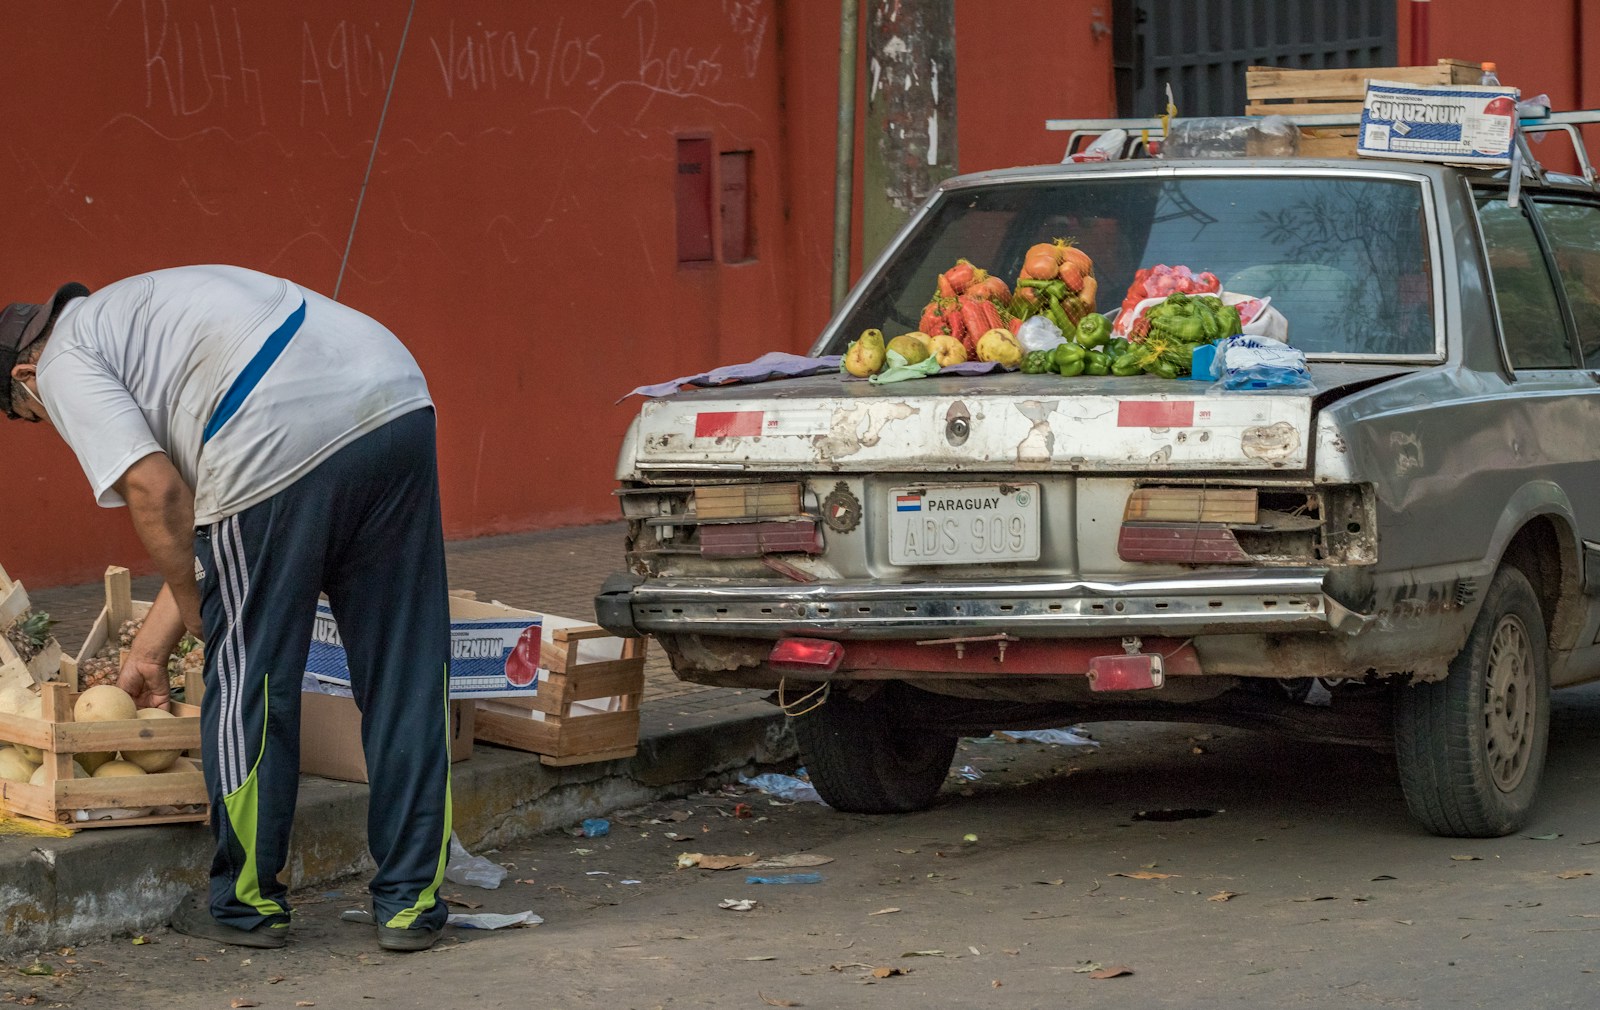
pixel 1066 354
pixel 1071 368
pixel 1093 330
pixel 1037 363
pixel 1097 363
pixel 1127 363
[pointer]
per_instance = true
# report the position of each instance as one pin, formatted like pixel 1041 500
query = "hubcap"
pixel 1508 703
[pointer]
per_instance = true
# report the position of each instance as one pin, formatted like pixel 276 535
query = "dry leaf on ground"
pixel 775 1001
pixel 889 972
pixel 1574 874
pixel 241 1002
pixel 1112 972
pixel 1147 875
pixel 884 911
pixel 1465 859
pixel 1223 896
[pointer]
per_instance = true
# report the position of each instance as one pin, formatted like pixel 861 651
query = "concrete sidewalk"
pixel 104 881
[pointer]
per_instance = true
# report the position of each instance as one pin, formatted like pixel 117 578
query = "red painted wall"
pixel 518 231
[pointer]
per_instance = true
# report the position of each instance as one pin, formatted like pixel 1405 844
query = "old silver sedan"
pixel 1405 553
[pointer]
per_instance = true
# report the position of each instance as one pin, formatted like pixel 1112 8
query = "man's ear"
pixel 20 372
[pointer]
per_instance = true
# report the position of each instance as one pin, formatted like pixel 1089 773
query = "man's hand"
pixel 145 678
pixel 144 672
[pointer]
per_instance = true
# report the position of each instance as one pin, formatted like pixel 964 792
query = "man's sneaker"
pixel 393 938
pixel 194 918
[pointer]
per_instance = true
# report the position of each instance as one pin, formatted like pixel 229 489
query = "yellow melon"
pixel 104 703
pixel 38 774
pixel 117 770
pixel 14 767
pixel 152 760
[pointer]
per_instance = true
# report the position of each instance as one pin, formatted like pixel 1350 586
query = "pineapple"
pixel 187 660
pixel 30 633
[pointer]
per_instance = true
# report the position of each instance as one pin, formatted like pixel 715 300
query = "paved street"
pixel 1308 886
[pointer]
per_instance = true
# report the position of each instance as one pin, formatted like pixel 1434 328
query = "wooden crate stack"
pixel 1275 91
pixel 180 792
pixel 14 669
pixel 571 732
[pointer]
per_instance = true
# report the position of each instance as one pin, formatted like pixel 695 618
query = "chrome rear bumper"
pixel 1239 602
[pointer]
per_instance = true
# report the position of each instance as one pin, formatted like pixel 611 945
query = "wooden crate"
pixel 556 723
pixel 1275 91
pixel 120 606
pixel 61 796
pixel 13 670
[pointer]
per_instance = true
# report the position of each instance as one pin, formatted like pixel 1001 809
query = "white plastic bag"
pixel 1269 322
pixel 1039 334
pixel 472 871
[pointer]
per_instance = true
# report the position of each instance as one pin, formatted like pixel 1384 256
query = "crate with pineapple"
pixel 29 653
pixel 100 659
pixel 82 755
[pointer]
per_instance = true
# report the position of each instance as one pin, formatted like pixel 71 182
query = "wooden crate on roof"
pixel 1277 91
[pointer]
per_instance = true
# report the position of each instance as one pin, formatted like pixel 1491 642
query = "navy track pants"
pixel 364 528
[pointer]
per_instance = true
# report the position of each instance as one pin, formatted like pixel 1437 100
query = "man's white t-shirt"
pixel 246 381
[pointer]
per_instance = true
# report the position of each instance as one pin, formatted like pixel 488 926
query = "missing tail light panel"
pixel 722 519
pixel 1206 524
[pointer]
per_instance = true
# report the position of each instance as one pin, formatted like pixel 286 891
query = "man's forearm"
pixel 161 506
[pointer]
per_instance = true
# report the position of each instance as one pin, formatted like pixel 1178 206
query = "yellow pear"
pixel 911 346
pixel 947 350
pixel 1000 346
pixel 865 356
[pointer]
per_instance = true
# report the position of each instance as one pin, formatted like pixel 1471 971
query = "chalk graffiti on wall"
pixel 207 62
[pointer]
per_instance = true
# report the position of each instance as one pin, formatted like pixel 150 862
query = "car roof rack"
pixel 1141 131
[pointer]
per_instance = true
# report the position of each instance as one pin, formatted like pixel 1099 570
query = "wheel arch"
pixel 1538 535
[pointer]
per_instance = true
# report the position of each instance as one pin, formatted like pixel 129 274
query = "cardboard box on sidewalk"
pixel 330 736
pixel 494 650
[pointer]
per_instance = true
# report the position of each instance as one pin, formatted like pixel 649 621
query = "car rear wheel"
pixel 865 759
pixel 1471 748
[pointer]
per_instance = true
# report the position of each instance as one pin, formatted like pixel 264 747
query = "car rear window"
pixel 1347 260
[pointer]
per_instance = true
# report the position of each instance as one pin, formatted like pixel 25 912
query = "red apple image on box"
pixel 522 666
pixel 1501 106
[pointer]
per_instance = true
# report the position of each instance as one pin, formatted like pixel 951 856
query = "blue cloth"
pixel 772 365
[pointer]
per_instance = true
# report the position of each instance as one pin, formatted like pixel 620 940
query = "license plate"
pixel 963 524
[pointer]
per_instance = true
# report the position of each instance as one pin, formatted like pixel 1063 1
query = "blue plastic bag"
pixel 1254 363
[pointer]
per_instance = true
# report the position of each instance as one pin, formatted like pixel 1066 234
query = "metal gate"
pixel 1202 47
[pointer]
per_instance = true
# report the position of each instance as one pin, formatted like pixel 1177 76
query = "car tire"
pixel 864 760
pixel 1471 748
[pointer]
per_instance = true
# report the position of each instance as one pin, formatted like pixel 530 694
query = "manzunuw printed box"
pixel 494 650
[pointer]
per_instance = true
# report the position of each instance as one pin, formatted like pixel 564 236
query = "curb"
pixel 61 891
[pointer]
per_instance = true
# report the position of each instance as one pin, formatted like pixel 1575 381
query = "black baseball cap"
pixel 20 325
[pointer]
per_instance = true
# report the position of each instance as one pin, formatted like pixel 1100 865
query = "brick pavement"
pixel 550 571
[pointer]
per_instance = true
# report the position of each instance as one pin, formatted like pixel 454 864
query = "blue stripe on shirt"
pixel 252 373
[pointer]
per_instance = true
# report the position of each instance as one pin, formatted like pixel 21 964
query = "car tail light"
pixel 806 655
pixel 1195 543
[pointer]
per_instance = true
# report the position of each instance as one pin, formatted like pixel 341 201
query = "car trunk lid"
pixel 998 422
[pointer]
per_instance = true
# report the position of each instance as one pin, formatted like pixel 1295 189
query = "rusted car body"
pixel 1414 541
